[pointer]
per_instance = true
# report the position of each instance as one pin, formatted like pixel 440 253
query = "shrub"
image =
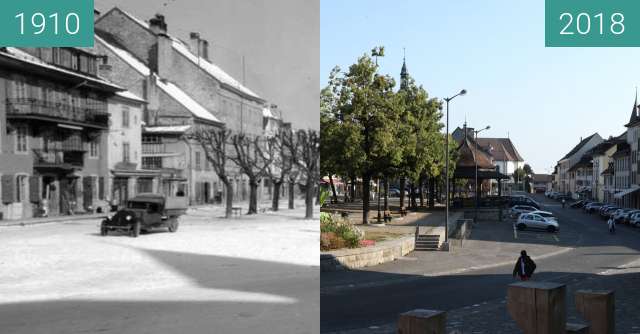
pixel 329 240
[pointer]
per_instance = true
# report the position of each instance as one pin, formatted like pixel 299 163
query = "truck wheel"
pixel 135 231
pixel 173 225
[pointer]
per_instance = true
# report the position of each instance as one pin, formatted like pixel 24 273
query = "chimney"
pixel 194 42
pixel 104 67
pixel 158 25
pixel 205 49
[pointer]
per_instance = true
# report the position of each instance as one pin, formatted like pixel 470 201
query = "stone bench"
pixel 422 322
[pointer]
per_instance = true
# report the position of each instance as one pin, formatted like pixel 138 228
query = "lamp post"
pixel 446 173
pixel 475 159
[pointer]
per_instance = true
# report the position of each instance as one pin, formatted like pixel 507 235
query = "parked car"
pixel 519 209
pixel 536 221
pixel 619 214
pixel 634 219
pixel 545 214
pixel 523 200
pixel 145 212
pixel 592 207
pixel 626 219
pixel 607 211
pixel 394 192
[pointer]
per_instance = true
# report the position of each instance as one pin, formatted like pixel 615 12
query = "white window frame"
pixel 17 148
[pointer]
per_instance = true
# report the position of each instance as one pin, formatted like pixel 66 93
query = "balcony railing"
pixel 154 148
pixel 58 158
pixel 57 111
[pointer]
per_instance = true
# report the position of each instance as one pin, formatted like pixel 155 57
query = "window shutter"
pixel 101 187
pixel 34 189
pixel 8 188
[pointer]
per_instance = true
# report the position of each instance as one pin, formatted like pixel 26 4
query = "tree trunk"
pixel 403 183
pixel 432 192
pixel 275 202
pixel 421 189
pixel 333 190
pixel 386 194
pixel 229 198
pixel 292 188
pixel 309 192
pixel 353 189
pixel 412 196
pixel 366 189
pixel 253 197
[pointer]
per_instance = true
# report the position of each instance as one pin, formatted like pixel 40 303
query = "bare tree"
pixel 281 163
pixel 307 157
pixel 248 158
pixel 214 143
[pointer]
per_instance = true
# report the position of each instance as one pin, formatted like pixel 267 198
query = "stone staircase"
pixel 427 242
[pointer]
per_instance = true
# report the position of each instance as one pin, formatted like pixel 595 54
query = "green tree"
pixel 369 113
pixel 527 169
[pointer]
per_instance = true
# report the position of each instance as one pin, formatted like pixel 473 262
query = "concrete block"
pixel 422 322
pixel 577 328
pixel 538 307
pixel 598 309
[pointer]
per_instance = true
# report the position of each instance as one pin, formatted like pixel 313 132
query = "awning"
pixel 626 192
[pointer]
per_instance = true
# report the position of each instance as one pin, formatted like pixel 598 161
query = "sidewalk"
pixel 56 219
pixel 479 252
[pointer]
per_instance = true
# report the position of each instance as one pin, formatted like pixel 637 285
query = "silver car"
pixel 516 210
pixel 536 221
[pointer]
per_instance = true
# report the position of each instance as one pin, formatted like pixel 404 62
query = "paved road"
pixel 595 251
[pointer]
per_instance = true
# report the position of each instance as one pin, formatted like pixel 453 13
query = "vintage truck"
pixel 144 212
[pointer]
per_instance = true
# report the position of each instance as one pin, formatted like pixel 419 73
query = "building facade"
pixel 566 175
pixel 53 120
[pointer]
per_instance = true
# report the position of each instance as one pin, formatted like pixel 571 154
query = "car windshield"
pixel 137 205
pixel 548 215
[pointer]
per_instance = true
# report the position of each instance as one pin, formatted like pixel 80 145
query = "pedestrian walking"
pixel 524 267
pixel 563 202
pixel 612 225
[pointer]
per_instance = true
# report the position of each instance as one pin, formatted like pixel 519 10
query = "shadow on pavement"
pixel 174 312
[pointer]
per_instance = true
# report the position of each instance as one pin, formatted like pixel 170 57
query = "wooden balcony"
pixel 154 148
pixel 57 112
pixel 60 159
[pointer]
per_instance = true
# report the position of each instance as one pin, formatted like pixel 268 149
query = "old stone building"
pixel 53 122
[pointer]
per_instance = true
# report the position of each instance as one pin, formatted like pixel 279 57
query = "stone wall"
pixel 385 251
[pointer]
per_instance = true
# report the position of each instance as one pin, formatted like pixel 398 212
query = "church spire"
pixel 634 112
pixel 404 75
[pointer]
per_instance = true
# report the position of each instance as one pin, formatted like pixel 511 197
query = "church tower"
pixel 404 75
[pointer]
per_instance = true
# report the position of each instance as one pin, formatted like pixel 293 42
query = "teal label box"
pixel 592 23
pixel 46 23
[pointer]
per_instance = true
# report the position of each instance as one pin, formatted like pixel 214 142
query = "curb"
pixel 421 276
pixel 59 219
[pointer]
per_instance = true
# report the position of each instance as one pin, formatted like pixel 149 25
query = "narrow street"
pixel 591 250
pixel 242 274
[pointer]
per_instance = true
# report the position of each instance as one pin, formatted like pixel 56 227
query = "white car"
pixel 545 214
pixel 516 210
pixel 634 220
pixel 536 221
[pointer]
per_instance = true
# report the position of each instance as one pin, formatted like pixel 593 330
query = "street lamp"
pixel 446 173
pixel 475 159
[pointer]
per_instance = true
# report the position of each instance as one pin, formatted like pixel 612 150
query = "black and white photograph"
pixel 164 180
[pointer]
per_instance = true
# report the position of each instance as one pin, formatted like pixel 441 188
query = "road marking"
pixel 515 233
pixel 556 237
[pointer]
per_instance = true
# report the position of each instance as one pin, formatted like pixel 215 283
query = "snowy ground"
pixel 253 274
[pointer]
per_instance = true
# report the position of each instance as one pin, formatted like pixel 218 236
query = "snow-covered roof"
pixel 212 69
pixel 131 96
pixel 174 91
pixel 23 56
pixel 126 56
pixel 167 129
pixel 179 95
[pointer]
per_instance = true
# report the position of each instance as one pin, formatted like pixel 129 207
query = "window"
pixel 207 164
pixel 151 162
pixel 74 62
pixel 125 117
pixel 198 164
pixel 21 89
pixel 125 152
pixel 21 139
pixel 93 148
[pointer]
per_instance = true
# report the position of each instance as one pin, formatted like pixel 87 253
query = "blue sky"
pixel 544 98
